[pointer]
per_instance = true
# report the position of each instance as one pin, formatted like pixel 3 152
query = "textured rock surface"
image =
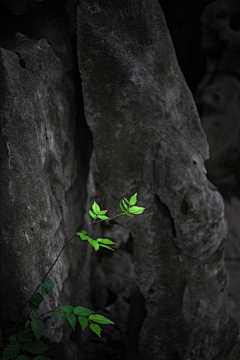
pixel 148 139
pixel 43 180
pixel 218 95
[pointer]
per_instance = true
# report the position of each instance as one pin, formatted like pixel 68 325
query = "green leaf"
pixel 12 338
pixel 103 212
pixel 83 322
pixel 68 308
pixel 107 247
pixel 35 346
pixel 126 200
pixel 103 217
pixel 96 329
pixel 92 214
pixel 35 301
pixel 105 241
pixel 22 357
pixel 83 311
pixel 24 336
pixel 47 287
pixel 84 231
pixel 28 325
pixel 122 207
pixel 41 357
pixel 136 210
pixel 100 319
pixel 82 235
pixel 37 326
pixel 96 208
pixel 129 214
pixel 125 204
pixel 94 243
pixel 11 350
pixel 133 200
pixel 59 313
pixel 71 319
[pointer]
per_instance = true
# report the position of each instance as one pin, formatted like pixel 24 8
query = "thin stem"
pixel 94 222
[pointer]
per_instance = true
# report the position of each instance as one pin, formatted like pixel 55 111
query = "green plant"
pixel 27 338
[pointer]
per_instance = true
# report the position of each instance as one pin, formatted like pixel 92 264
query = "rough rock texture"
pixel 148 139
pixel 218 99
pixel 43 180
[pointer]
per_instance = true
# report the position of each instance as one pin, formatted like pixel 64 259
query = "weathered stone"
pixel 148 139
pixel 42 186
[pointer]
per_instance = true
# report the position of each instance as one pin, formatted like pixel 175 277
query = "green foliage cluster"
pixel 26 339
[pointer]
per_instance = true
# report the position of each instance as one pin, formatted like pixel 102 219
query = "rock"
pixel 148 139
pixel 42 185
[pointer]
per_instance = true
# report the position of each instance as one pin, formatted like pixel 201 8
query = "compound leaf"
pixel 35 301
pixel 11 350
pixel 103 212
pixel 83 311
pixel 96 208
pixel 103 217
pixel 59 313
pixel 92 214
pixel 107 247
pixel 37 326
pixel 126 200
pixel 28 325
pixel 94 243
pixel 105 241
pixel 100 319
pixel 136 210
pixel 71 319
pixel 68 308
pixel 35 346
pixel 96 329
pixel 47 287
pixel 24 336
pixel 133 200
pixel 83 322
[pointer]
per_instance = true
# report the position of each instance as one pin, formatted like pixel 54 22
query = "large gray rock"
pixel 148 139
pixel 43 182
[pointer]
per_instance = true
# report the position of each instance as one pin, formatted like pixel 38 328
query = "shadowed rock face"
pixel 43 181
pixel 148 139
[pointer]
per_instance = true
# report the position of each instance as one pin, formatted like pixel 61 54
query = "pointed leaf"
pixel 71 319
pixel 82 235
pixel 68 308
pixel 129 214
pixel 125 204
pixel 96 329
pixel 133 200
pixel 47 287
pixel 83 311
pixel 96 208
pixel 22 357
pixel 100 319
pixel 94 243
pixel 35 301
pixel 105 241
pixel 92 214
pixel 59 313
pixel 126 200
pixel 24 336
pixel 41 357
pixel 103 212
pixel 122 206
pixel 83 322
pixel 84 231
pixel 11 350
pixel 103 217
pixel 107 247
pixel 37 326
pixel 35 346
pixel 136 210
